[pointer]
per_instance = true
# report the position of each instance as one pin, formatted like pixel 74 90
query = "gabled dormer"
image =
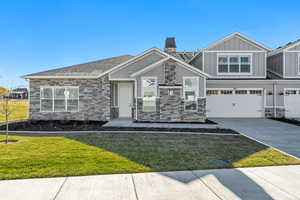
pixel 235 56
pixel 284 62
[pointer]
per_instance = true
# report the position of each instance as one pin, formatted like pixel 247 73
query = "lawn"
pixel 19 108
pixel 87 154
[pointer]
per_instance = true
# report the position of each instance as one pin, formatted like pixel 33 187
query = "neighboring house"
pixel 20 92
pixel 284 65
pixel 226 79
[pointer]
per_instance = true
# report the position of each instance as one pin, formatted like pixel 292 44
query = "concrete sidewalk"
pixel 261 183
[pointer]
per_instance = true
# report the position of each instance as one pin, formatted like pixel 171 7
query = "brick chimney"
pixel 170 45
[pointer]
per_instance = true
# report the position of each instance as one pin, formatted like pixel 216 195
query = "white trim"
pixel 283 64
pixel 241 36
pixel 171 87
pixel 297 51
pixel 234 51
pixel 142 90
pixel 122 79
pixel 292 46
pixel 184 64
pixel 130 61
pixel 53 99
pixel 266 64
pixel 298 66
pixel 60 77
pixel 146 69
pixel 239 55
pixel 196 92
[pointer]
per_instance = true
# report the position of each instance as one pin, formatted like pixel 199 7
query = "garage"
pixel 239 102
pixel 292 103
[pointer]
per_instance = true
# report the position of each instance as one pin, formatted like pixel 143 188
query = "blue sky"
pixel 41 35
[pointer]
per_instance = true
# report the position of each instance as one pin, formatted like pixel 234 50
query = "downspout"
pixel 274 99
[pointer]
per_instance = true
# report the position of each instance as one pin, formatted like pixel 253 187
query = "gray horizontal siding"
pixel 291 64
pixel 258 64
pixel 136 66
pixel 180 73
pixel 275 63
pixel 234 44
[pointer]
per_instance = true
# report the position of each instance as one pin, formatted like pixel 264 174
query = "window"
pixel 191 89
pixel 290 92
pixel 234 64
pixel 149 93
pixel 226 92
pixel 59 99
pixel 256 92
pixel 212 92
pixel 241 92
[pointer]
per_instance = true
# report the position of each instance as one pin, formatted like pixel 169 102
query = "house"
pixel 20 92
pixel 225 79
pixel 284 66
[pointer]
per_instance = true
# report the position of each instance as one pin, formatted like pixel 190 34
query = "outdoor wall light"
pixel 171 92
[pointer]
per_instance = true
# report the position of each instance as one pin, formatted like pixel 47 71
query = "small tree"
pixel 5 109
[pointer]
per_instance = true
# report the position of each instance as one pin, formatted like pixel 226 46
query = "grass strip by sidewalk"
pixel 89 154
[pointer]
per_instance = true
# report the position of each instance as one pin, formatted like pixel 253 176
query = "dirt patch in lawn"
pixel 8 141
pixel 30 125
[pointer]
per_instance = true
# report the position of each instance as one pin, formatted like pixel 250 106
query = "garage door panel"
pixel 292 103
pixel 240 103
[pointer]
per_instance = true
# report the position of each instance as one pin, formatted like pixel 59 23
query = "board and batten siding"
pixel 136 66
pixel 291 64
pixel 275 64
pixel 234 44
pixel 258 64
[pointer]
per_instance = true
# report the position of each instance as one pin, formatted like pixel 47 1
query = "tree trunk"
pixel 6 119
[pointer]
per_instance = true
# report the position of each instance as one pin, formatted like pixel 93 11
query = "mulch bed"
pixel 289 121
pixel 97 126
pixel 206 122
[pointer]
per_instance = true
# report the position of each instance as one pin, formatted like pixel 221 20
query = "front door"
pixel 125 91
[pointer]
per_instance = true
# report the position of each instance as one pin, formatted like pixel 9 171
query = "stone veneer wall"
pixel 171 109
pixel 269 112
pixel 94 99
pixel 170 73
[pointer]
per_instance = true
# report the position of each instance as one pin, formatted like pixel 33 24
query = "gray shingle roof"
pixel 184 56
pixel 89 69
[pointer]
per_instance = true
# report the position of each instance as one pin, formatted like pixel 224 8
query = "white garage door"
pixel 292 103
pixel 235 102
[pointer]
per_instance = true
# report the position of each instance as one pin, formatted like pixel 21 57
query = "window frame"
pixel 155 91
pixel 53 99
pixel 228 56
pixel 298 64
pixel 196 92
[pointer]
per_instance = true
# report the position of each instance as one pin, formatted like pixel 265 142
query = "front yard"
pixel 19 110
pixel 86 154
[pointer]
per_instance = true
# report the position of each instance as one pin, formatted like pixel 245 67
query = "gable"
pixel 141 63
pixel 235 43
pixel 295 48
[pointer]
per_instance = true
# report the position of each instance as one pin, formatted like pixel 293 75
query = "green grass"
pixel 19 110
pixel 125 153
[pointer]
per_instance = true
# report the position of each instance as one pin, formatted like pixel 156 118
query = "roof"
pixel 89 69
pixel 184 56
pixel 286 46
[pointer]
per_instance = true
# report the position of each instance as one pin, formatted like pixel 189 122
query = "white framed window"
pixel 59 99
pixel 234 64
pixel 190 93
pixel 149 93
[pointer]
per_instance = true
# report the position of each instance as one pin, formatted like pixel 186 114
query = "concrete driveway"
pixel 259 183
pixel 285 137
